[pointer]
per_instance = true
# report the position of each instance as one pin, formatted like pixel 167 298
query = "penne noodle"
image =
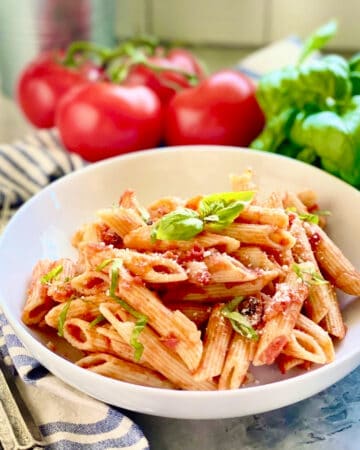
pixel 153 268
pixel 121 220
pixel 91 282
pixel 241 353
pixel 163 206
pixel 276 332
pixel 157 354
pixel 263 235
pixel 255 214
pixel 38 303
pixel 223 268
pixel 286 363
pixel 319 334
pixel 242 182
pixel 333 322
pixel 304 346
pixel 319 299
pixel 87 308
pixel 214 292
pixel 331 259
pixel 216 342
pixel 255 258
pixel 140 239
pixel 169 324
pixel 198 313
pixel 109 366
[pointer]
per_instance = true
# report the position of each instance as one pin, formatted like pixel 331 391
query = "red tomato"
pixel 101 119
pixel 221 110
pixel 43 82
pixel 167 82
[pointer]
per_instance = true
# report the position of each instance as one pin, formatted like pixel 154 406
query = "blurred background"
pixel 221 33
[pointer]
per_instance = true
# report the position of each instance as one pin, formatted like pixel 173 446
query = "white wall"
pixel 238 22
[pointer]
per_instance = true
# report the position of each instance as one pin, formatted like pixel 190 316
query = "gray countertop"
pixel 329 420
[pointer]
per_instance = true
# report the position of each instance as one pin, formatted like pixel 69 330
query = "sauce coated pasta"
pixel 192 293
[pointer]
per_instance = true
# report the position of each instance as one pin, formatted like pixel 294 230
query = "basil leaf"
pixel 134 339
pixel 315 277
pixel 53 273
pixel 220 210
pixel 62 318
pixel 180 225
pixel 141 318
pixel 306 217
pixel 318 39
pixel 239 322
pixel 103 264
pixel 96 321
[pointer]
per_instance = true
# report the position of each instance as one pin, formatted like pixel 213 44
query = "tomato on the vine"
pixel 166 75
pixel 44 81
pixel 102 119
pixel 220 110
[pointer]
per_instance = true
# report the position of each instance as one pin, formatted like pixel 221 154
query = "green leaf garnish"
pixel 103 264
pixel 96 321
pixel 216 211
pixel 141 318
pixel 220 210
pixel 239 322
pixel 318 39
pixel 53 273
pixel 62 318
pixel 140 324
pixel 307 217
pixel 181 225
pixel 316 278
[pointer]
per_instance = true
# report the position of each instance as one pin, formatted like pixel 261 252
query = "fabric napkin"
pixel 66 417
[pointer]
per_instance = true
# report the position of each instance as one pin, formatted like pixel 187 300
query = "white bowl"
pixel 43 226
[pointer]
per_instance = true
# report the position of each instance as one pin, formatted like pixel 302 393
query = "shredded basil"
pixel 239 322
pixel 141 318
pixel 100 318
pixel 53 273
pixel 62 318
pixel 103 264
pixel 315 277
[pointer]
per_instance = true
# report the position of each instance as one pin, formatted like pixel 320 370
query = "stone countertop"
pixel 329 420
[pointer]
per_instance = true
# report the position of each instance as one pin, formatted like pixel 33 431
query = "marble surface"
pixel 329 420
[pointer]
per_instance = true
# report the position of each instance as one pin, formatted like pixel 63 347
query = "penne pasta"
pixel 192 293
pixel 116 368
pixel 331 259
pixel 276 332
pixel 217 338
pixel 262 235
pixel 157 354
pixel 241 353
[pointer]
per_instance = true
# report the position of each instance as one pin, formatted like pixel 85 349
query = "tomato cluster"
pixel 136 97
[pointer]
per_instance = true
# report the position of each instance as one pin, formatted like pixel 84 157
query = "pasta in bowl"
pixel 189 283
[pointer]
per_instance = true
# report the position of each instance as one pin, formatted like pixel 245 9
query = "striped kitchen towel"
pixel 67 418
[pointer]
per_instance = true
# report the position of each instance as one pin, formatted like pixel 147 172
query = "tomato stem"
pixel 105 54
pixel 120 72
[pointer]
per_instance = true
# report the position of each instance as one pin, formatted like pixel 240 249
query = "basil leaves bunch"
pixel 312 109
pixel 215 212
